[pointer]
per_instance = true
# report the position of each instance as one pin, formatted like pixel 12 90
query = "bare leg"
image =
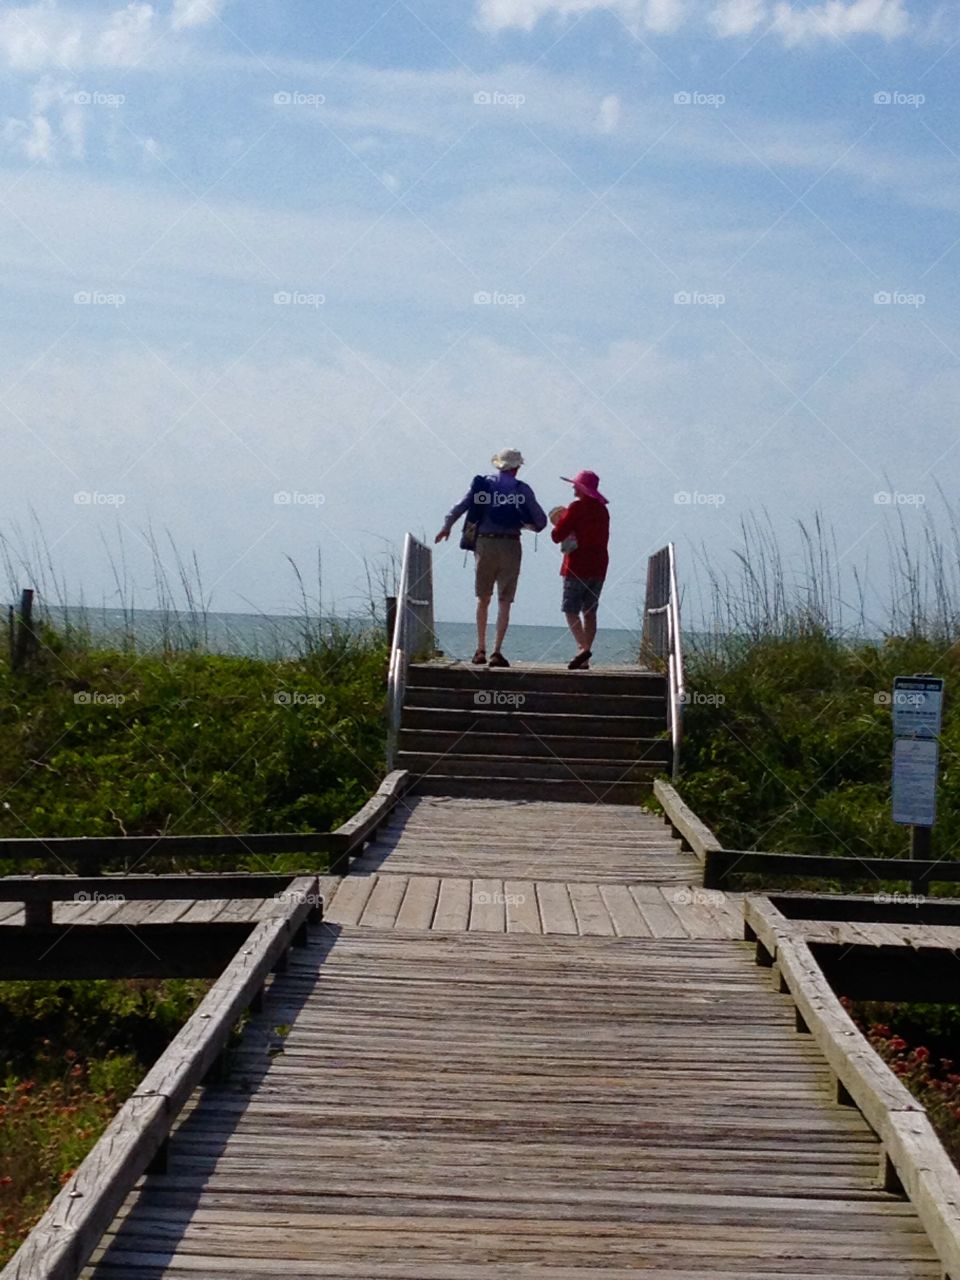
pixel 589 629
pixel 503 621
pixel 576 630
pixel 483 604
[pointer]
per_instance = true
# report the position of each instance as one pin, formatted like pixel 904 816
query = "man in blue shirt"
pixel 503 505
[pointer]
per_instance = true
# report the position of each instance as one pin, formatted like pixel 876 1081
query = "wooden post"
pixel 843 1095
pixel 888 1178
pixel 391 617
pixel 339 859
pixel 24 638
pixel 38 915
pixel 921 845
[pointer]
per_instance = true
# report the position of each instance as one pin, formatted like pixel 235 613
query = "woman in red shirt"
pixel 582 530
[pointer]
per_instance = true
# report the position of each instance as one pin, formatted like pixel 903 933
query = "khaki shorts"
pixel 498 565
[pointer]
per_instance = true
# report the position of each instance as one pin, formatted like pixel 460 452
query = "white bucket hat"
pixel 507 459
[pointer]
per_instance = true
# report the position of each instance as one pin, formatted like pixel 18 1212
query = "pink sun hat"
pixel 586 482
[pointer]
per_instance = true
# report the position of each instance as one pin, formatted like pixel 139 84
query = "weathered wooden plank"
pixel 523 910
pixel 624 912
pixel 351 835
pixel 661 919
pixel 194 887
pixel 930 1179
pixel 419 902
pixel 556 909
pixel 453 905
pixel 348 902
pixel 384 902
pixel 487 906
pixel 205 911
pixel 871 1084
pixel 590 911
pixel 695 833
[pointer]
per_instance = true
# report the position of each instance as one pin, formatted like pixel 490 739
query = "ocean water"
pixel 273 636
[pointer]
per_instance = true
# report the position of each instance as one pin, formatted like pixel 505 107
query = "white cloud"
pixel 195 13
pixel 126 35
pixel 48 35
pixel 664 15
pixel 36 36
pixel 831 20
pixel 38 144
pixel 73 128
pixel 738 17
pixel 835 20
pixel 49 38
pixel 38 136
pixel 654 15
pixel 609 113
pixel 40 36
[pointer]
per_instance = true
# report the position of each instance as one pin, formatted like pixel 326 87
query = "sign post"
pixel 917 712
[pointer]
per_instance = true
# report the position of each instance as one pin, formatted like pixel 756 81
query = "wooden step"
pixel 525 724
pixel 630 682
pixel 570 792
pixel 437 742
pixel 583 701
pixel 523 767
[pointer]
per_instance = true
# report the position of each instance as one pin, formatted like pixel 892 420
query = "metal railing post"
pixel 661 638
pixel 413 630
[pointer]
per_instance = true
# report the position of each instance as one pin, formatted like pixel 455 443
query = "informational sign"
pixel 915 781
pixel 917 706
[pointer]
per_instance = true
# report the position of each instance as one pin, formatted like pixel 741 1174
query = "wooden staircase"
pixel 534 732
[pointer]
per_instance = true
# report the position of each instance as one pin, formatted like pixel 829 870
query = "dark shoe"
pixel 498 660
pixel 479 658
pixel 581 662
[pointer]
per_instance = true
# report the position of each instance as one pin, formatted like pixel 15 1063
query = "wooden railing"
pixel 913 1160
pixel 413 629
pixel 661 643
pixel 721 865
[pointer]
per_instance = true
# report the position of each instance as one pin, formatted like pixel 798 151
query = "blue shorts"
pixel 581 595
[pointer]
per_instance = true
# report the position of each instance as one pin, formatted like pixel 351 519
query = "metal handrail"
pixel 662 640
pixel 413 630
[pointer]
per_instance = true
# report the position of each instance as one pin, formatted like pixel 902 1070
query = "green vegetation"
pixel 95 742
pixel 788 738
pixel 788 742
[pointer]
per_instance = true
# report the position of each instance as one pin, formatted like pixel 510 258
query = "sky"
pixel 280 276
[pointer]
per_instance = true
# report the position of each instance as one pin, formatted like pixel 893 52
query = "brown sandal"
pixel 479 658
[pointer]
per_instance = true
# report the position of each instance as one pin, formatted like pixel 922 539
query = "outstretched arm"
pixel 453 515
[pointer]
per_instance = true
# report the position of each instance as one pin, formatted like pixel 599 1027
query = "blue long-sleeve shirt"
pixel 506 489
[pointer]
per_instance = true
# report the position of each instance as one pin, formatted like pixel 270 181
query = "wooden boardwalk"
pixel 448 1084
